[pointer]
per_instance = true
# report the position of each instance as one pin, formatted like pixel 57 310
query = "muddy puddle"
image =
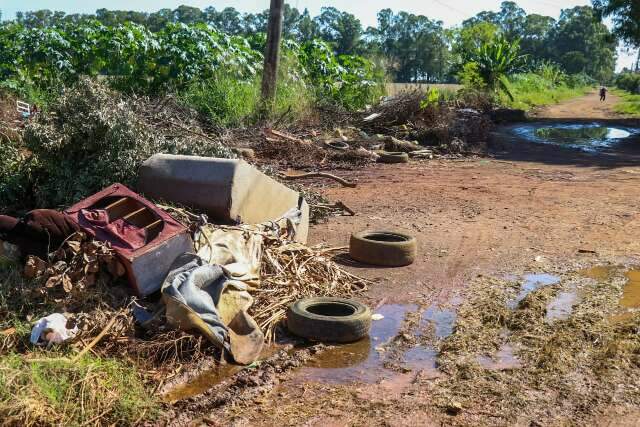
pixel 405 338
pixel 630 299
pixel 504 359
pixel 532 282
pixel 201 383
pixel 590 137
pixel 367 361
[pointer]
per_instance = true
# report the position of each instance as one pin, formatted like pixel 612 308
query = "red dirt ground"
pixel 522 208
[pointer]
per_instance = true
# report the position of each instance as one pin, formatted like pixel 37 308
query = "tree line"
pixel 412 48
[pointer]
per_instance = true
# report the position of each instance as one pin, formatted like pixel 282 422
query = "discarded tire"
pixel 392 157
pixel 385 248
pixel 329 319
pixel 337 145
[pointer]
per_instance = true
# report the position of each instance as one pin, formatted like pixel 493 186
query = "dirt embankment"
pixel 523 209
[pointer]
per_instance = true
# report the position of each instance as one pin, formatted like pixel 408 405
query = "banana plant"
pixel 496 60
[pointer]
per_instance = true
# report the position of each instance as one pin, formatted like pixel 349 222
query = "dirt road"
pixel 525 208
pixel 587 107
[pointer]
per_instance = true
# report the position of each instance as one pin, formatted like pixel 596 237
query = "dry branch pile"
pixel 291 271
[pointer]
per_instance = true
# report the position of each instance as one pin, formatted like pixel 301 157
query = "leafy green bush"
pixel 470 76
pixel 180 57
pixel 92 138
pixel 494 61
pixel 580 80
pixel 629 82
pixel 551 72
pixel 351 81
pixel 15 185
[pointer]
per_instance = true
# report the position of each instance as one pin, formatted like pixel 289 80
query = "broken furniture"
pixel 146 239
pixel 229 191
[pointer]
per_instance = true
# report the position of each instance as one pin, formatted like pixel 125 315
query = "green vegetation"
pixel 629 82
pixel 531 90
pixel 135 60
pixel 413 48
pixel 493 62
pixel 630 104
pixel 625 15
pixel 58 392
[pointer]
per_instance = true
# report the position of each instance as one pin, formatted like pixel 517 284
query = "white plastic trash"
pixel 52 330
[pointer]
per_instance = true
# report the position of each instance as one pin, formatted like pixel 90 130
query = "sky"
pixel 451 12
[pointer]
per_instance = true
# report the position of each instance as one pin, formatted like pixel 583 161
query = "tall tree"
pixel 534 36
pixel 343 30
pixel 580 43
pixel 626 18
pixel 416 46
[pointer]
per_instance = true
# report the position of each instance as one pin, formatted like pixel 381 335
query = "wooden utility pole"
pixel 272 52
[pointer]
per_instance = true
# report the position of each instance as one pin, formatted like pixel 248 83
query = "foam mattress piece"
pixel 229 191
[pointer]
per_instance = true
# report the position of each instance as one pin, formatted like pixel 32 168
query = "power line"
pixel 465 14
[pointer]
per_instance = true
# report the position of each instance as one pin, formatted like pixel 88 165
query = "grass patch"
pixel 231 102
pixel 630 104
pixel 52 390
pixel 531 90
pixel 56 392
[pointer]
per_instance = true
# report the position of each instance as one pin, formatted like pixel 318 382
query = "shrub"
pixel 629 82
pixel 94 137
pixel 15 186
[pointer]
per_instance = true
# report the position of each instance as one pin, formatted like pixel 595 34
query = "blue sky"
pixel 451 12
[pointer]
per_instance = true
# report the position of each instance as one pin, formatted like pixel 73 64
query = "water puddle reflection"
pixel 201 383
pixel 631 292
pixel 630 300
pixel 361 361
pixel 533 282
pixel 586 137
pixel 561 306
pixel 443 320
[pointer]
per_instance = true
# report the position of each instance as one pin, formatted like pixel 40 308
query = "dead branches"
pixel 342 181
pixel 291 271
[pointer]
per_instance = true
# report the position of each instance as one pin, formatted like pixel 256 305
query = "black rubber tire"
pixel 386 248
pixel 337 145
pixel 353 323
pixel 393 157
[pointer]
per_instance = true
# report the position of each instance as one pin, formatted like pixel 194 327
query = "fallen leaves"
pixel 74 265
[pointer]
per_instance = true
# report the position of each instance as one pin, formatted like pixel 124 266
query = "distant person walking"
pixel 603 94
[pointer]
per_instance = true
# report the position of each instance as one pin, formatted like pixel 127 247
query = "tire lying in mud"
pixel 385 248
pixel 393 157
pixel 327 319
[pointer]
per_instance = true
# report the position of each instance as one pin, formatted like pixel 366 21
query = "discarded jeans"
pixel 201 296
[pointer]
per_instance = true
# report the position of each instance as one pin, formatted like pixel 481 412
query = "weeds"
pixel 630 104
pixel 57 392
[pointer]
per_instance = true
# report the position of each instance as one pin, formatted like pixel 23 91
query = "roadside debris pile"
pixel 135 283
pixel 445 127
pixel 404 123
